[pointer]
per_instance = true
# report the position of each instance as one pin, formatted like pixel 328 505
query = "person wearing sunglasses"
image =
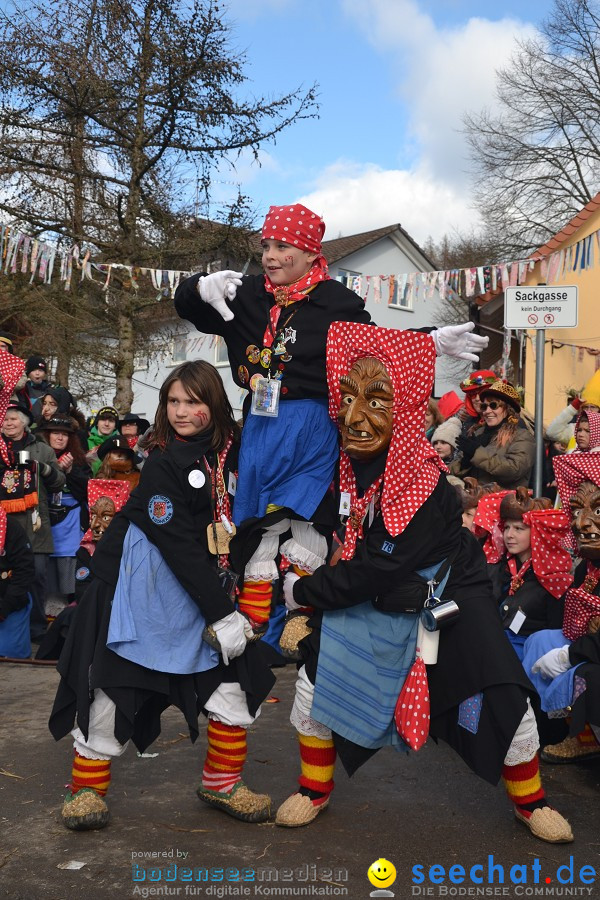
pixel 503 448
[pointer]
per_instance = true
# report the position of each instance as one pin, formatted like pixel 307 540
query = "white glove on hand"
pixel 457 341
pixel 231 632
pixel 218 287
pixel 553 663
pixel 288 590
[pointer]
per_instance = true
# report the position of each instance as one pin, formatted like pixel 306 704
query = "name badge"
pixel 344 503
pixel 265 397
pixel 232 484
pixel 517 622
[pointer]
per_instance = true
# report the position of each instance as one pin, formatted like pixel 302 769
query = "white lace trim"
pixel 301 557
pixel 261 571
pixel 526 741
pixel 308 726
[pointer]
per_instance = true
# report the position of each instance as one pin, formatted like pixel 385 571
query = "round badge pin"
pixel 196 478
pixel 265 358
pixel 252 354
pixel 243 374
pixel 254 381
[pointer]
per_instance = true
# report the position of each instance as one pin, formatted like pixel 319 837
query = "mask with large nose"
pixel 366 413
pixel 585 519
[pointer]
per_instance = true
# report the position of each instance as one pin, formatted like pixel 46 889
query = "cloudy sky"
pixel 395 79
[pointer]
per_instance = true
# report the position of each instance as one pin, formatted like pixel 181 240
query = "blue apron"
pixel 154 622
pixel 364 657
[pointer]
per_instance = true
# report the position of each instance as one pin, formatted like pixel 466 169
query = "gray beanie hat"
pixel 448 431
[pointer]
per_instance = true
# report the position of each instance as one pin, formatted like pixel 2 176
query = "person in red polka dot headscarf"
pixel 275 328
pixel 402 532
pixel 564 663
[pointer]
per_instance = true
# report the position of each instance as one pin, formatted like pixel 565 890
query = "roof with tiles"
pixel 338 248
pixel 556 242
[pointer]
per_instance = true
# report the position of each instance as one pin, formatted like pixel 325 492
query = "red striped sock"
pixel 587 738
pixel 317 764
pixel 225 757
pixel 90 773
pixel 255 600
pixel 523 785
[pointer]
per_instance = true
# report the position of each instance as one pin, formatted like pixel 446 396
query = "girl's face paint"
pixel 187 415
pixel 285 264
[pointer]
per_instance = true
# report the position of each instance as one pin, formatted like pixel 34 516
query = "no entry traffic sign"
pixel 540 307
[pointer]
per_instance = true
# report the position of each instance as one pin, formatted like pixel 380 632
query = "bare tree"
pixel 107 109
pixel 538 157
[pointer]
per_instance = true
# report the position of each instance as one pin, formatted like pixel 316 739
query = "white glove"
pixel 457 341
pixel 232 632
pixel 288 590
pixel 553 663
pixel 215 289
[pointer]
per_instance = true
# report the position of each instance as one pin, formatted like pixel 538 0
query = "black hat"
pixel 35 362
pixel 133 418
pixel 62 397
pixel 6 339
pixel 57 423
pixel 106 412
pixel 19 407
pixel 115 443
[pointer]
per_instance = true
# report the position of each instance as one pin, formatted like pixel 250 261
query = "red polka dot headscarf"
pixel 593 418
pixel 571 470
pixel 295 225
pixel 11 370
pixel 413 467
pixel 112 489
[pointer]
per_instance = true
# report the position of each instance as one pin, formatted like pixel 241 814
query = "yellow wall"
pixel 563 368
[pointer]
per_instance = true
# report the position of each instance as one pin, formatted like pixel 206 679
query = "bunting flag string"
pixel 20 253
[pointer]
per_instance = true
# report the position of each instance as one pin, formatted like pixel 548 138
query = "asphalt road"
pixel 423 810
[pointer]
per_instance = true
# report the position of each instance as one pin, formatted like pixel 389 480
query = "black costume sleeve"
pixel 585 649
pixel 381 562
pixel 18 557
pixel 181 538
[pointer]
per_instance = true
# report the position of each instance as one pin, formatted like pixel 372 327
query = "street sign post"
pixel 540 307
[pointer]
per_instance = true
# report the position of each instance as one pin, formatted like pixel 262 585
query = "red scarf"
pixel 220 494
pixel 517 577
pixel 3 521
pixel 291 293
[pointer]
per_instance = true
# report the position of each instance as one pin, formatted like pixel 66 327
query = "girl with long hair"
pixel 161 577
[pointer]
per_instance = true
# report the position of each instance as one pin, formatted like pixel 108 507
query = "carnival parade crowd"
pixel 387 544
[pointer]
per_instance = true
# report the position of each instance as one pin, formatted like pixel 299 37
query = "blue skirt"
pixel 286 461
pixel 555 693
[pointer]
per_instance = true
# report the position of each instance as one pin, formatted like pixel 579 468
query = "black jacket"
pixel 304 376
pixel 541 608
pixel 18 560
pixel 179 534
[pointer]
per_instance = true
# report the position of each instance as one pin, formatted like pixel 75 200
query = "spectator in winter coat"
pixel 103 428
pixel 36 369
pixel 503 448
pixel 68 511
pixel 24 495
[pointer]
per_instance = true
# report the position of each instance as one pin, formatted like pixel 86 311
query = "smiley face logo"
pixel 381 873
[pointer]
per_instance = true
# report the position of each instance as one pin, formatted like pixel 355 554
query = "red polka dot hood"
pixel 413 467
